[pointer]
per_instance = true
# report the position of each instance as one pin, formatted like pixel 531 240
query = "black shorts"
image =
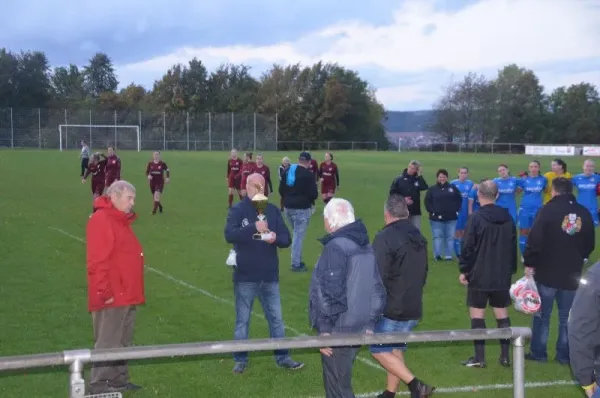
pixel 481 298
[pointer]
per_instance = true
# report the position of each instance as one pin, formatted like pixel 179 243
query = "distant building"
pixel 410 129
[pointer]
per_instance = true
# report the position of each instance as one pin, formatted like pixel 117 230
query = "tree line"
pixel 514 107
pixel 321 102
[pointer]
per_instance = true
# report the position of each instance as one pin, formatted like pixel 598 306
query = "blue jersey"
pixel 464 188
pixel 474 198
pixel 533 192
pixel 586 190
pixel 507 188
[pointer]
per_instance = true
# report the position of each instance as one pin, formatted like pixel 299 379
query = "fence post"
pixel 77 383
pixel 187 126
pixel 66 140
pixel 164 130
pixel 276 131
pixel 12 129
pixel 90 128
pixel 209 131
pixel 254 131
pixel 352 146
pixel 39 128
pixel 232 133
pixel 116 136
pixel 519 367
pixel 140 131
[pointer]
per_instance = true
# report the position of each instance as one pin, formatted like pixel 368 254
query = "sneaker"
pixel 473 363
pixel 240 367
pixel 423 390
pixel 299 269
pixel 529 357
pixel 448 258
pixel 290 364
pixel 562 361
pixel 438 258
pixel 505 362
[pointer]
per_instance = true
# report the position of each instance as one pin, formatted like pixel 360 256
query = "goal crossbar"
pixel 91 126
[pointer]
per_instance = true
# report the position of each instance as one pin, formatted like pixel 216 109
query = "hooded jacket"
pixel 298 188
pixel 410 186
pixel 346 294
pixel 489 254
pixel 401 252
pixel 115 261
pixel 443 202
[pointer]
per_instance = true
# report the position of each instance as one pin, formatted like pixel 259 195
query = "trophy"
pixel 260 202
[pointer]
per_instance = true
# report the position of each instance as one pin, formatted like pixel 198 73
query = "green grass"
pixel 43 287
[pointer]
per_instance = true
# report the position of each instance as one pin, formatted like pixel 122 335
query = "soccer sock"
pixel 457 246
pixel 413 385
pixel 155 206
pixel 522 243
pixel 478 323
pixel 230 199
pixel 504 344
pixel 388 394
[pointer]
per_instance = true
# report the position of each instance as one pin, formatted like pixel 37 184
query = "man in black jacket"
pixel 561 239
pixel 298 189
pixel 409 184
pixel 401 253
pixel 487 262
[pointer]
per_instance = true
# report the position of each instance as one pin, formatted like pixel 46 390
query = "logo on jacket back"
pixel 245 222
pixel 571 224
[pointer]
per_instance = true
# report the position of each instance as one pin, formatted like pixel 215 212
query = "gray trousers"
pixel 113 328
pixel 337 372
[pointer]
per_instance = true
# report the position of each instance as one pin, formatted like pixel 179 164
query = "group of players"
pixel 238 170
pixel 535 190
pixel 104 170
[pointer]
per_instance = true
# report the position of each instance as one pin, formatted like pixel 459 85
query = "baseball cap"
pixel 305 156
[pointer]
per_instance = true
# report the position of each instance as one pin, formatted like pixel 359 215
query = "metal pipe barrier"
pixel 76 359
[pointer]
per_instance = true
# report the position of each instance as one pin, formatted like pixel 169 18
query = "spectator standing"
pixel 443 202
pixel 256 273
pixel 560 241
pixel 401 253
pixel 85 156
pixel 487 262
pixel 115 273
pixel 584 332
pixel 298 188
pixel 409 184
pixel 346 293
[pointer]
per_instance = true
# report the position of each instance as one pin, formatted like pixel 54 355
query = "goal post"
pixel 100 135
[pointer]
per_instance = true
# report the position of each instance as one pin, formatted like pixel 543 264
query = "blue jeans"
pixel 386 325
pixel 270 300
pixel 443 237
pixel 541 323
pixel 298 219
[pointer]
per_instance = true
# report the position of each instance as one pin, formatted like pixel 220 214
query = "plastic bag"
pixel 231 258
pixel 525 296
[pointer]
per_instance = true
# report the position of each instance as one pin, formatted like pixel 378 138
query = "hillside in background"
pixel 408 122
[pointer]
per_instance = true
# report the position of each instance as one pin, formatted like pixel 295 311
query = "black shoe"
pixel 299 269
pixel 505 362
pixel 473 363
pixel 423 391
pixel 529 357
pixel 438 258
pixel 160 208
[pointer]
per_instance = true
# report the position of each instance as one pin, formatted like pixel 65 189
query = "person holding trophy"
pixel 256 229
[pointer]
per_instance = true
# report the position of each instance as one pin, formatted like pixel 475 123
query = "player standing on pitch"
pixel 464 186
pixel 96 169
pixel 262 169
pixel 156 171
pixel 248 167
pixel 329 178
pixel 113 167
pixel 234 166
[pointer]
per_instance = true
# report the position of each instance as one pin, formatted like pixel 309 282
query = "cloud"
pixel 421 38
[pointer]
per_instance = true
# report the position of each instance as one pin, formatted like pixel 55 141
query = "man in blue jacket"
pixel 257 271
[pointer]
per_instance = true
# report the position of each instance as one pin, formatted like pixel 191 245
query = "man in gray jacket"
pixel 346 292
pixel 584 332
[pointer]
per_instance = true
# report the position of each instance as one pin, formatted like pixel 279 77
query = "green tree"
pixel 9 65
pixel 99 76
pixel 575 115
pixel 67 86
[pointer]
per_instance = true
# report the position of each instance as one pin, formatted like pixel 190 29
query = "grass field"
pixel 44 210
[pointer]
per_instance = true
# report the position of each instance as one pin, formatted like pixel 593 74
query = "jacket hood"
pixel 103 203
pixel 415 238
pixel 495 214
pixel 356 232
pixel 567 197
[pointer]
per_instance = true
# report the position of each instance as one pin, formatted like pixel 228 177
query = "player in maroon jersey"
pixel 262 169
pixel 248 167
pixel 329 177
pixel 158 174
pixel 234 167
pixel 314 167
pixel 113 167
pixel 96 169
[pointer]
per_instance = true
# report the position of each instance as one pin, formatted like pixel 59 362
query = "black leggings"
pixel 84 165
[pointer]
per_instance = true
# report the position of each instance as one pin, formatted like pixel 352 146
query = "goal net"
pixel 124 137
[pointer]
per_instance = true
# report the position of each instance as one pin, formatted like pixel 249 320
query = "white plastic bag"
pixel 231 258
pixel 525 296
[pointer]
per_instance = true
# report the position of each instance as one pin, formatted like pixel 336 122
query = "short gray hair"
pixel 120 186
pixel 415 163
pixel 339 213
pixel 396 206
pixel 488 189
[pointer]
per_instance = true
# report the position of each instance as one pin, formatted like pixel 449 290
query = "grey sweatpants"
pixel 113 328
pixel 337 372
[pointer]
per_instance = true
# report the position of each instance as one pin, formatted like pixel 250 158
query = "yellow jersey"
pixel 551 176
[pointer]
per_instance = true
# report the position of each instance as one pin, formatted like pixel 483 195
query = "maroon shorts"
pixel 327 187
pixel 243 183
pixel 157 186
pixel 110 180
pixel 97 187
pixel 233 182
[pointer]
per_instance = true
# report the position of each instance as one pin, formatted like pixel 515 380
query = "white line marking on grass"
pixel 212 296
pixel 454 390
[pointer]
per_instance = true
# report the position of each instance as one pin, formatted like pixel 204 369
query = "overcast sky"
pixel 407 49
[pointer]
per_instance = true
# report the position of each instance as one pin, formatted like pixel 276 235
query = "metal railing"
pixel 77 359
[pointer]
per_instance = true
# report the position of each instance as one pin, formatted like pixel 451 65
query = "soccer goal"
pixel 100 136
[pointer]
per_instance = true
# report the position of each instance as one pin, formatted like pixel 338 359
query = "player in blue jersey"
pixel 507 189
pixel 532 185
pixel 586 184
pixel 473 199
pixel 464 186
